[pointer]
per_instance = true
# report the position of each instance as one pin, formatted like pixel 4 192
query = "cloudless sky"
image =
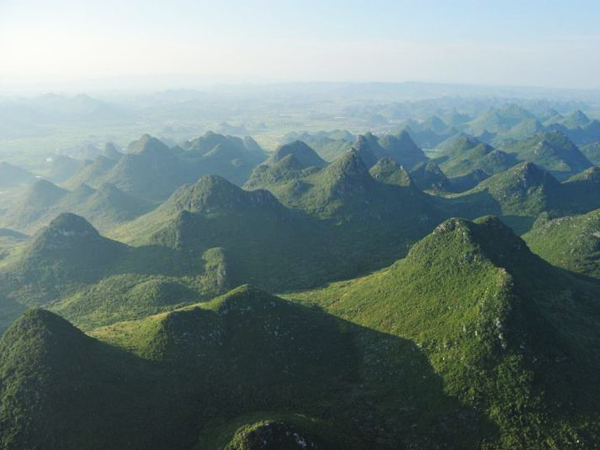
pixel 553 43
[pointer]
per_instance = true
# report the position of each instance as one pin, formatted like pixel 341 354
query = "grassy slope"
pixel 553 151
pixel 60 389
pixel 592 152
pixel 464 154
pixel 106 207
pixel 204 371
pixel 95 281
pixel 508 334
pixel 518 195
pixel 356 389
pixel 571 242
pixel 471 341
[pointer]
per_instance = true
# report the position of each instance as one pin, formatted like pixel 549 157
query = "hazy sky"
pixel 554 43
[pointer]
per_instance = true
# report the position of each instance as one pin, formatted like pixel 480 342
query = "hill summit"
pixel 301 152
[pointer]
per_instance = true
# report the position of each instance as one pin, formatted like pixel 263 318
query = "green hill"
pixel 93 281
pixel 10 310
pixel 522 130
pixel 429 176
pixel 288 164
pixel 400 148
pixel 580 135
pixel 12 176
pixel 587 134
pixel 429 132
pixel 153 171
pixel 575 120
pixel 331 224
pixel 519 195
pixel 86 394
pixel 456 144
pixel 220 374
pixel 329 145
pixel 497 120
pixel 305 155
pixel 366 146
pixel 463 183
pixel 389 172
pixel 108 207
pixel 571 242
pixel 111 151
pixel 272 433
pixel 263 241
pixel 523 192
pixel 425 137
pixel 226 156
pixel 508 333
pixel 9 239
pixel 551 116
pixel 105 207
pixel 68 251
pixel 592 152
pixel 63 167
pixel 552 151
pixel 345 190
pixel 471 341
pixel 149 170
pixel 465 154
pixel 92 172
pixel 32 204
pixel 582 191
pixel 454 118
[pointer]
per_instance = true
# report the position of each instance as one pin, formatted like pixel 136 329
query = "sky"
pixel 547 43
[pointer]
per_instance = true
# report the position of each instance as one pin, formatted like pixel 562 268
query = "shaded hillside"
pixel 571 242
pixel 151 170
pixel 74 381
pixel 12 176
pixel 69 250
pixel 519 194
pixel 464 155
pixel 106 206
pixel 592 152
pixel 506 331
pixel 497 120
pixel 389 172
pixel 328 144
pixel 398 147
pixel 287 164
pixel 264 241
pixel 63 167
pixel 190 389
pixel 552 151
pixel 429 176
pixel 94 281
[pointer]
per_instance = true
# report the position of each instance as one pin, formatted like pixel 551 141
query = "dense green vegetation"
pixel 429 177
pixel 106 207
pixel 205 367
pixel 508 333
pixel 464 154
pixel 151 170
pixel 523 192
pixel 460 344
pixel 572 242
pixel 552 151
pixel 136 305
pixel 592 152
